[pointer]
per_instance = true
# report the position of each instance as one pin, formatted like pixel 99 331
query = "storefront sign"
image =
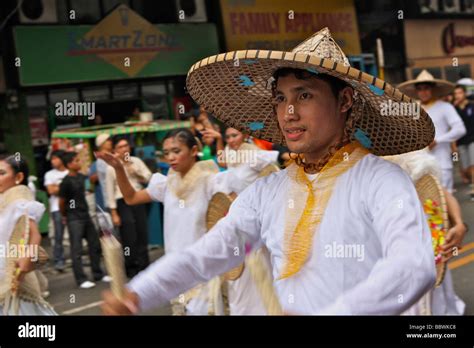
pixel 439 38
pixel 451 40
pixel 282 25
pixel 123 45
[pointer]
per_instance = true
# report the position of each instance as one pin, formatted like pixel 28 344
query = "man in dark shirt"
pixel 466 143
pixel 75 211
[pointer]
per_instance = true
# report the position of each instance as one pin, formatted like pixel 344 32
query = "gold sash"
pixel 299 233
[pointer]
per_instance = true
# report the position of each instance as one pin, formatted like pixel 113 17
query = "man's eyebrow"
pixel 294 89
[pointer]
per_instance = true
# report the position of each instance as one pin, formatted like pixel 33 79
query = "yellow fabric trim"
pixel 183 186
pixel 299 234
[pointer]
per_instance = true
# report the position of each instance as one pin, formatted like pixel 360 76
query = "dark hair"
pixel 18 164
pixel 183 135
pixel 68 157
pixel 59 154
pixel 462 87
pixel 336 84
pixel 118 138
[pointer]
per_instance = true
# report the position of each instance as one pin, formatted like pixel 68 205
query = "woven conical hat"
pixel 428 187
pixel 219 206
pixel 440 88
pixel 236 88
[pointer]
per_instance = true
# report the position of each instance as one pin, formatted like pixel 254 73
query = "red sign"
pixel 450 40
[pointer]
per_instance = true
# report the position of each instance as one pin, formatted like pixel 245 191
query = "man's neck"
pixel 462 104
pixel 61 169
pixel 73 172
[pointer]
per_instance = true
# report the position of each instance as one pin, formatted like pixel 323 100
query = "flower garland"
pixel 435 222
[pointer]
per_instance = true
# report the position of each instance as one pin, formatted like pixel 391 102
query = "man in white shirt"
pixel 52 180
pixel 448 124
pixel 344 229
pixel 131 220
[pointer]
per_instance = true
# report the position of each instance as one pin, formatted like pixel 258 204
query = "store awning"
pixel 120 128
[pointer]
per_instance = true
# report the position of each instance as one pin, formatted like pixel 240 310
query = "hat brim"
pixel 234 87
pixel 441 87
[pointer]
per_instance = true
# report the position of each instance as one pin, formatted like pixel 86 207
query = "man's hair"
pixel 68 157
pixel 336 84
pixel 59 154
pixel 462 87
pixel 118 138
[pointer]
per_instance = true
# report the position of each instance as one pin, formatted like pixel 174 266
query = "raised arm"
pixel 129 194
pixel 220 250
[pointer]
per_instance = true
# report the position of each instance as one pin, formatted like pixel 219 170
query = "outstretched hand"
pixel 111 159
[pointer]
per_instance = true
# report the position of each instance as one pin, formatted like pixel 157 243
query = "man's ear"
pixel 346 98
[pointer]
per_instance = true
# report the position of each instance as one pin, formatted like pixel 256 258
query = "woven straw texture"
pixel 236 88
pixel 218 208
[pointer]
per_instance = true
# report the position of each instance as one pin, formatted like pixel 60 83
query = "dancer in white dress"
pixel 20 287
pixel 185 193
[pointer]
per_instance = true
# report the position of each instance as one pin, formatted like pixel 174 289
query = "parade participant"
pixel 20 290
pixel 465 108
pixel 441 300
pixel 52 180
pixel 448 125
pixel 131 221
pixel 185 193
pixel 243 295
pixel 344 228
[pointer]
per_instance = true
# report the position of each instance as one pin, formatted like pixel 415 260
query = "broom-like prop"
pixel 113 254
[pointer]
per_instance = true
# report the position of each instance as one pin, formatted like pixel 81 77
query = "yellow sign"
pixel 125 40
pixel 282 25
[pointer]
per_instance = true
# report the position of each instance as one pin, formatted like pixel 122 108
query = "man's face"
pixel 459 95
pixel 122 148
pixel 425 92
pixel 107 146
pixel 56 162
pixel 309 115
pixel 75 164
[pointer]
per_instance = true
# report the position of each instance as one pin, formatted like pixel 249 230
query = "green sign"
pixel 123 45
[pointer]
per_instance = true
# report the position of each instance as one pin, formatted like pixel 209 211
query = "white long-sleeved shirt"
pixel 185 219
pixel 112 191
pixel 374 205
pixel 449 127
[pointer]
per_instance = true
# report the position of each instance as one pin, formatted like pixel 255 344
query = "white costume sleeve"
pixel 455 123
pixel 221 249
pixel 239 178
pixel 33 209
pixel 407 269
pixel 157 187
